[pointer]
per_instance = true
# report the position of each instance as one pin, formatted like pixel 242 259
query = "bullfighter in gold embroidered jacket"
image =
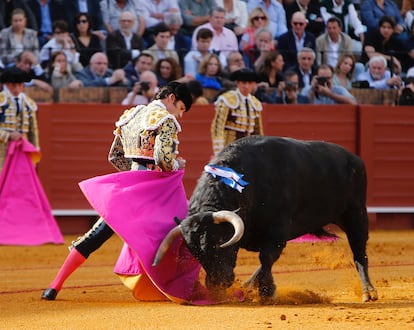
pixel 238 112
pixel 17 112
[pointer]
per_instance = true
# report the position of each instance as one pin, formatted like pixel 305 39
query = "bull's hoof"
pixel 369 295
pixel 268 300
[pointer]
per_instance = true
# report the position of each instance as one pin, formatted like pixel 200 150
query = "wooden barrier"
pixel 375 96
pixel 39 95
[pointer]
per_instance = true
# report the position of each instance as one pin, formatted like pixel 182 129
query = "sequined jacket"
pixel 25 122
pixel 146 135
pixel 233 120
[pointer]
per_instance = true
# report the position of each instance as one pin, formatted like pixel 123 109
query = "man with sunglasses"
pixel 291 42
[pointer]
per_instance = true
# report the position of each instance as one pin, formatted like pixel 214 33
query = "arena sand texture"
pixel 318 288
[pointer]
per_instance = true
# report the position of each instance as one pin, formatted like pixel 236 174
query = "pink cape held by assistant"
pixel 25 213
pixel 140 207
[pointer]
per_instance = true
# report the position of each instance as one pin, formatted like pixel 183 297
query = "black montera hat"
pixel 14 75
pixel 244 74
pixel 182 92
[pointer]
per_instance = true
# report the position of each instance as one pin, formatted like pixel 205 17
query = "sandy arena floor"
pixel 318 288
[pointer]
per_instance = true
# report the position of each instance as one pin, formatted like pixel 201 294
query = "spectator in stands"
pixel 46 12
pixel 194 57
pixel 97 73
pixel 378 76
pixel 255 57
pixel 28 62
pixel 407 12
pixel 167 70
pixel 123 44
pixel 224 40
pixel 385 42
pixel 305 67
pixel 333 43
pixel 196 90
pixel 92 9
pixel 275 12
pixel 179 41
pixel 142 63
pixel 409 45
pixel 61 41
pixel 258 19
pixel 270 74
pixel 406 92
pixel 86 42
pixel 322 91
pixel 209 72
pixel 60 73
pixel 349 17
pixel 159 49
pixel 154 12
pixel 373 10
pixel 6 9
pixel 195 13
pixel 17 37
pixel 312 11
pixel 235 16
pixel 290 43
pixel 344 71
pixel 144 90
pixel 112 10
pixel 234 62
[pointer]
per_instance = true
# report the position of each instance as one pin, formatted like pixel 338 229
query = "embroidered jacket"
pixel 233 120
pixel 25 121
pixel 146 134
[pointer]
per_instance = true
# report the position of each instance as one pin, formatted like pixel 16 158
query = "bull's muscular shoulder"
pixel 230 99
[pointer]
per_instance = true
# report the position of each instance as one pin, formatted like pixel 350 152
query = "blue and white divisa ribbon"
pixel 227 175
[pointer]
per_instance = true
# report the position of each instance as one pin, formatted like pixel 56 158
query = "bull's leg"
pixel 253 282
pixel 357 233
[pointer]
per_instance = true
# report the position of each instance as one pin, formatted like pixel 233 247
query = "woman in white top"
pixel 236 15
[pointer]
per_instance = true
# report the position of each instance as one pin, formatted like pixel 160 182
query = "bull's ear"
pixel 177 220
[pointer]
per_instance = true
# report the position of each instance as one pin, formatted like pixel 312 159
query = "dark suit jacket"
pixel 118 54
pixel 56 12
pixel 31 21
pixel 313 12
pixel 94 13
pixel 297 70
pixel 89 79
pixel 287 47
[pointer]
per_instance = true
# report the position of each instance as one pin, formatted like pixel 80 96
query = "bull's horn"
pixel 235 220
pixel 166 244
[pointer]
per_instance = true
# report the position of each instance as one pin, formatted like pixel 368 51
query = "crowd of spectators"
pixel 75 43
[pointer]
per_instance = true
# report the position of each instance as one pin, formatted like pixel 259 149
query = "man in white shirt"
pixel 378 76
pixel 194 57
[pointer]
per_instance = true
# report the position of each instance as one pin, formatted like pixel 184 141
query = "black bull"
pixel 295 187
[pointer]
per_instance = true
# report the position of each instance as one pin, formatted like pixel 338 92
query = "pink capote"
pixel 25 213
pixel 140 206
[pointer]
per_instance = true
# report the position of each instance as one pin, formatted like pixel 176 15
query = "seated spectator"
pixel 322 91
pixel 195 13
pixel 6 9
pixel 255 57
pixel 270 74
pixel 196 90
pixel 112 10
pixel 209 72
pixel 122 45
pixel 331 44
pixel 142 63
pixel 344 71
pixel 167 70
pixel 234 62
pixel 61 41
pixel 179 41
pixel 224 40
pixel 143 91
pixel 92 9
pixel 27 61
pixel 384 42
pixel 194 57
pixel 86 42
pixel 154 12
pixel 378 76
pixel 372 11
pixel 159 49
pixel 275 12
pixel 290 43
pixel 406 92
pixel 60 73
pixel 409 45
pixel 312 11
pixel 16 38
pixel 97 73
pixel 349 17
pixel 258 19
pixel 236 15
pixel 407 12
pixel 305 67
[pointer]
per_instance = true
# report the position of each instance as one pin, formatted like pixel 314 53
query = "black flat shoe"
pixel 49 294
